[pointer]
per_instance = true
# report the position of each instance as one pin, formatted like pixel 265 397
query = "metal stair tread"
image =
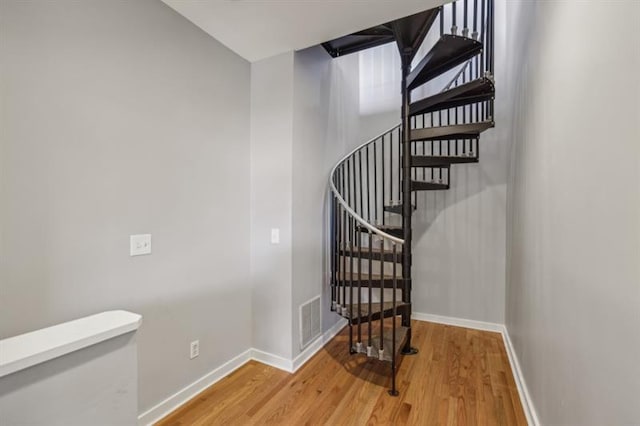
pixel 397 208
pixel 481 89
pixel 376 308
pixel 450 50
pixel 401 336
pixel 417 185
pixel 440 160
pixel 431 133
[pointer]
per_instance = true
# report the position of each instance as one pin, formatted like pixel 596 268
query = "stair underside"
pixel 478 90
pixel 366 39
pixel 417 185
pixel 440 161
pixel 448 52
pixel 463 130
pixel 401 336
pixel 351 312
pixel 411 30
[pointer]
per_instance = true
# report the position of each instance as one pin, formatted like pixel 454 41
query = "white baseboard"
pixel 184 395
pixel 272 360
pixel 318 344
pixel 189 392
pixel 459 322
pixel 523 391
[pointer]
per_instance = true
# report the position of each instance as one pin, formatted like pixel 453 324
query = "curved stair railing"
pixel 374 188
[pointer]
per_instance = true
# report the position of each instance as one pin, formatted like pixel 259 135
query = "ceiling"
pixel 258 29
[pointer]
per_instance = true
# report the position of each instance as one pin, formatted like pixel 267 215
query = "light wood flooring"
pixel 459 377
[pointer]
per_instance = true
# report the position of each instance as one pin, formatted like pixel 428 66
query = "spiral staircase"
pixel 375 188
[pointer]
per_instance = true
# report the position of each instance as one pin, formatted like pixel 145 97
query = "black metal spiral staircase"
pixel 374 188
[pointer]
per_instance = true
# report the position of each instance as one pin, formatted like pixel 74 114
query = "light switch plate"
pixel 275 236
pixel 140 244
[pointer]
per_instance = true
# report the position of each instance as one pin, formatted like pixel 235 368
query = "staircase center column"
pixel 406 197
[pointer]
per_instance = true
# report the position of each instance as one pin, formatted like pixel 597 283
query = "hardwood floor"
pixel 459 377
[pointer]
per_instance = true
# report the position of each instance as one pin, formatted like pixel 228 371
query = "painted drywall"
pixel 459 235
pixel 121 118
pixel 325 118
pixel 271 202
pixel 573 281
pixel 96 385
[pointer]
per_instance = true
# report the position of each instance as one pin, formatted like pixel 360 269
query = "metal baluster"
pixel 381 347
pixel 369 197
pixel 361 213
pixel 375 182
pixel 359 343
pixel 465 30
pixel 334 250
pixel 382 175
pixel 369 341
pixel 394 391
pixel 454 28
pixel 351 284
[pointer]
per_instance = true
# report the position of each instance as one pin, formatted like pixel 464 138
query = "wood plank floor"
pixel 459 377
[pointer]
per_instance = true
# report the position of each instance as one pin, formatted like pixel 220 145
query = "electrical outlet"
pixel 195 349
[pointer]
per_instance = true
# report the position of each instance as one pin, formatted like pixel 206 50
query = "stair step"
pixel 401 337
pixel 386 256
pixel 397 208
pixel 461 131
pixel 395 230
pixel 450 50
pixel 478 90
pixel 428 186
pixel 377 280
pixel 440 161
pixel 366 39
pixel 351 312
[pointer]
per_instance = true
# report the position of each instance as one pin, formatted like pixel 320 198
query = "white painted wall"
pixel 271 203
pixel 120 118
pixel 573 282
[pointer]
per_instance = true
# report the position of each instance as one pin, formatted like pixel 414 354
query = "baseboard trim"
pixel 187 393
pixel 273 360
pixel 459 322
pixel 523 391
pixel 184 395
pixel 318 344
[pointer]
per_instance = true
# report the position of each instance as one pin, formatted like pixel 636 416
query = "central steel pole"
pixel 406 199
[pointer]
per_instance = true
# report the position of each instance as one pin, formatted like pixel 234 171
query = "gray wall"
pixel 271 202
pixel 573 283
pixel 460 234
pixel 121 118
pixel 325 118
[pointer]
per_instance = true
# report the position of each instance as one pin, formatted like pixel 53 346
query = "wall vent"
pixel 310 323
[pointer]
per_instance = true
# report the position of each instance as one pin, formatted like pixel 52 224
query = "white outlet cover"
pixel 139 244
